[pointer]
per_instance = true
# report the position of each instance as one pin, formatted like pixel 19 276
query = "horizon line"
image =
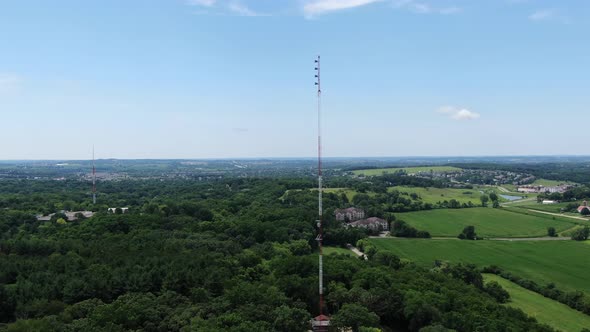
pixel 315 157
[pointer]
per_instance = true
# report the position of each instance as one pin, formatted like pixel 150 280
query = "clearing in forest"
pixel 488 222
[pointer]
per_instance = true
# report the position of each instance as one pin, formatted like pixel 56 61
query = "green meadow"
pixel 545 310
pixel 349 192
pixel 434 195
pixel 549 183
pixel 553 208
pixel 566 263
pixel 337 250
pixel 488 222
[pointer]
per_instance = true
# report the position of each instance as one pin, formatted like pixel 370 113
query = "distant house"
pixel 373 223
pixel 527 190
pixel 542 189
pixel 583 206
pixel 123 210
pixel 41 217
pixel 71 215
pixel 547 201
pixel 350 214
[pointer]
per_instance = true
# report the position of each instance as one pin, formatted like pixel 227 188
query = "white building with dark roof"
pixel 373 223
pixel 350 214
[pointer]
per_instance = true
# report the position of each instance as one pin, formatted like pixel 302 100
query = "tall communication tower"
pixel 93 178
pixel 321 322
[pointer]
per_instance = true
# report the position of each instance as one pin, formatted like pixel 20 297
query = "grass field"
pixel 549 183
pixel 545 310
pixel 349 192
pixel 409 170
pixel 553 208
pixel 434 195
pixel 488 222
pixel 566 263
pixel 338 250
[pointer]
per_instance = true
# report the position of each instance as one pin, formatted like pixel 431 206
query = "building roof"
pixel 368 221
pixel 321 320
pixel 350 209
pixel 70 215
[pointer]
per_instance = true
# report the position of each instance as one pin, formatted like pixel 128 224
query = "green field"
pixel 566 263
pixel 549 183
pixel 553 208
pixel 545 310
pixel 434 195
pixel 409 170
pixel 338 250
pixel 488 222
pixel 349 192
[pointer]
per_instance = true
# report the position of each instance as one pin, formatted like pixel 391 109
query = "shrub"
pixel 581 234
pixel 497 292
pixel 468 233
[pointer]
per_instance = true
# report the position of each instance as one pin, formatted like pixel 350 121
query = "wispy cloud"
pixel 243 10
pixel 318 7
pixel 313 8
pixel 540 15
pixel 223 7
pixel 548 15
pixel 456 113
pixel 205 3
pixel 420 7
pixel 9 83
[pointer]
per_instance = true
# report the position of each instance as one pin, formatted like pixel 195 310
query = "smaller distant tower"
pixel 93 178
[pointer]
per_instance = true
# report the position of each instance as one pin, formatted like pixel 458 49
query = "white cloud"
pixel 242 10
pixel 313 8
pixel 318 7
pixel 540 15
pixel 9 83
pixel 424 8
pixel 223 7
pixel 458 113
pixel 549 15
pixel 205 3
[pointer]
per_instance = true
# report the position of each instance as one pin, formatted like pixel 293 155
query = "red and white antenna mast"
pixel 93 178
pixel 321 322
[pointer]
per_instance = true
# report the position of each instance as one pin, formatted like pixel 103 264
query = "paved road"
pixel 529 238
pixel 533 199
pixel 381 235
pixel 559 215
pixel 358 252
pixel 545 238
pixel 415 238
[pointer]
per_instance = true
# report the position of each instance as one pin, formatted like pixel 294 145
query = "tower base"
pixel 320 323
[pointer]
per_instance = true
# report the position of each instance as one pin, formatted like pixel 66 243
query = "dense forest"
pixel 225 255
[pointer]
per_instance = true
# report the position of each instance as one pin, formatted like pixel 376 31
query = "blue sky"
pixel 234 78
